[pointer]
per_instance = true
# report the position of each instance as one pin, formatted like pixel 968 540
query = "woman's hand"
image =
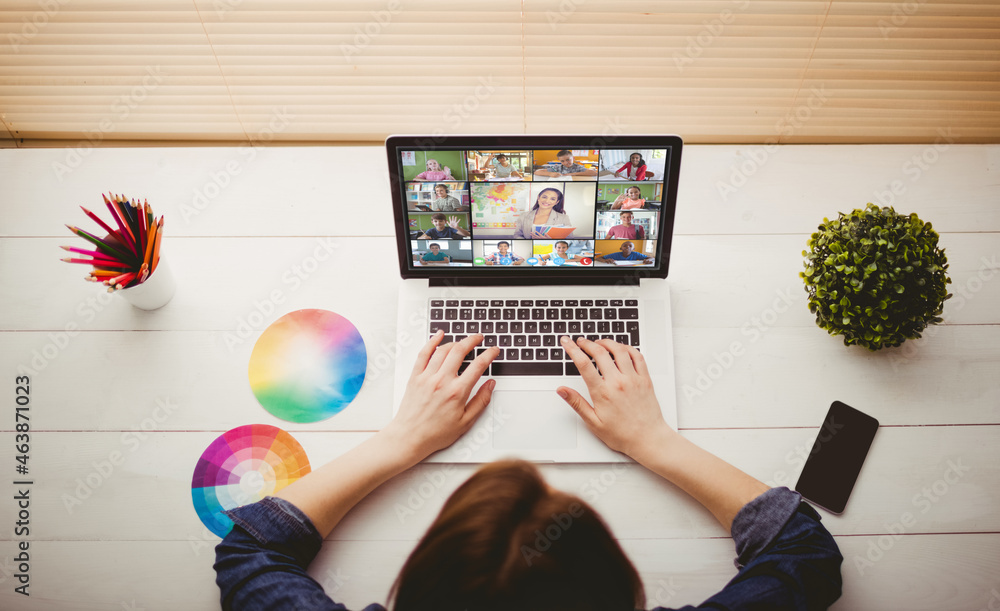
pixel 625 414
pixel 436 409
pixel 538 235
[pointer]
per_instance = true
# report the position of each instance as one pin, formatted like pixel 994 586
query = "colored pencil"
pixel 148 255
pixel 99 257
pixel 121 216
pixel 136 226
pixel 100 244
pixel 140 246
pixel 98 220
pixel 98 262
pixel 117 218
pixel 122 279
pixel 130 209
pixel 144 229
pixel 84 251
pixel 129 219
pixel 156 247
pixel 126 256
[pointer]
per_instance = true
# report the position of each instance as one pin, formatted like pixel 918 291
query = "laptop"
pixel 525 239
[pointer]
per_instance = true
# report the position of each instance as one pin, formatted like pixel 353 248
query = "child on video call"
pixel 443 201
pixel 435 172
pixel 629 200
pixel 503 256
pixel 501 166
pixel 435 256
pixel 626 253
pixel 560 251
pixel 567 167
pixel 635 169
pixel 445 228
pixel 626 230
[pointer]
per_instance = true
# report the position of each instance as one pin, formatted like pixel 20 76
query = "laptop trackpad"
pixel 527 420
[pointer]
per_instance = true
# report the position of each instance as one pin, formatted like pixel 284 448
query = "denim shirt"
pixel 786 559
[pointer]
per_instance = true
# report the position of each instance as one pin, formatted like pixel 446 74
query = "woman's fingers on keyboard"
pixel 478 365
pixel 581 360
pixel 437 359
pixel 638 361
pixel 458 352
pixel 601 356
pixel 623 360
pixel 424 356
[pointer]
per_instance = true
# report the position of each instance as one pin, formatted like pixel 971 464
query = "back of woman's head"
pixel 504 540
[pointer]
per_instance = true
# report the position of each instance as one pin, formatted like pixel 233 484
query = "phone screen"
pixel 835 461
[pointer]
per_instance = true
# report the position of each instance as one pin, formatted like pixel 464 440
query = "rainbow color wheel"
pixel 243 466
pixel 308 365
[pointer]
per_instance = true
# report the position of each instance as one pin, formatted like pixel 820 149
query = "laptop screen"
pixel 554 206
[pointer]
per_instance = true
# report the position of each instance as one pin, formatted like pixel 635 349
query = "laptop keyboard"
pixel 527 331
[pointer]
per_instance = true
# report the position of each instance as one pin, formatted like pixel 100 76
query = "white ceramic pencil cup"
pixel 155 292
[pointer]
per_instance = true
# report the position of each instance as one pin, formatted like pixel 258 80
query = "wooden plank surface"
pixel 724 189
pixel 716 281
pixel 724 378
pixel 125 401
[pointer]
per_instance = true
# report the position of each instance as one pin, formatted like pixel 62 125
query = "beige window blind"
pixel 111 71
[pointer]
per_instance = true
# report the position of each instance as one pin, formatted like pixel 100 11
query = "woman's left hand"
pixel 436 409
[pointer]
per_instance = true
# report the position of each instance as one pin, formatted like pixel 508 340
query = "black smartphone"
pixel 835 461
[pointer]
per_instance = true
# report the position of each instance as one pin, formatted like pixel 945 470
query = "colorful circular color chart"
pixel 308 365
pixel 243 466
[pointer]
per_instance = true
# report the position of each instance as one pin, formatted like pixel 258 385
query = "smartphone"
pixel 835 461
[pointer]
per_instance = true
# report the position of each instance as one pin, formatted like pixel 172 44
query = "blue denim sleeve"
pixel 261 564
pixel 786 559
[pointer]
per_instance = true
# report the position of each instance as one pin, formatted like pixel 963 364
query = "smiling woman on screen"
pixel 548 210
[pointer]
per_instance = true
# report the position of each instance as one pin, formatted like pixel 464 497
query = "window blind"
pixel 802 71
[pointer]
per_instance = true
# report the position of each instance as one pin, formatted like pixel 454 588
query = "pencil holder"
pixel 155 292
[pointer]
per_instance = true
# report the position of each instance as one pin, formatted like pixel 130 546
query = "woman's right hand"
pixel 625 415
pixel 436 408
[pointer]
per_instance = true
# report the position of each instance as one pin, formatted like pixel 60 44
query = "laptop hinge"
pixel 540 281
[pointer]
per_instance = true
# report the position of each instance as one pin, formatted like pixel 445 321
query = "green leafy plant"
pixel 876 277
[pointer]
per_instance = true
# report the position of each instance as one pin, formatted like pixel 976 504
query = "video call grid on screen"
pixel 533 208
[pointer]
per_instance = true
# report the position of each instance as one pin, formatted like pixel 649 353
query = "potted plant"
pixel 876 277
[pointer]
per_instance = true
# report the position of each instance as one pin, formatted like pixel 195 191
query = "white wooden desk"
pixel 124 401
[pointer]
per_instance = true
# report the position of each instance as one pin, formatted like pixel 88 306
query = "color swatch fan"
pixel 243 466
pixel 308 365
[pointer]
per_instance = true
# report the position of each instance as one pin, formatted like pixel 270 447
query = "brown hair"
pixel 505 540
pixel 439 217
